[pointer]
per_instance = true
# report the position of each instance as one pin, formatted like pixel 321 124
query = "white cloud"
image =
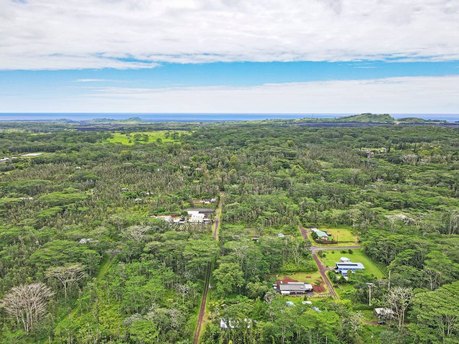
pixel 73 34
pixel 393 95
pixel 92 80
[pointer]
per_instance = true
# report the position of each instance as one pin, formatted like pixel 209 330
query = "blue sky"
pixel 229 73
pixel 330 56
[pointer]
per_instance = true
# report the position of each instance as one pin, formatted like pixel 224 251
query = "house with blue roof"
pixel 344 266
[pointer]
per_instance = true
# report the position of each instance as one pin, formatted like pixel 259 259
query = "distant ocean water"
pixel 191 117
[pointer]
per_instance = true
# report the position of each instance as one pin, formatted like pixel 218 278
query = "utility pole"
pixel 388 284
pixel 370 285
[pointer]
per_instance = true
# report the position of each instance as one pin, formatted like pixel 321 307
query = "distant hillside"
pixel 368 118
pixel 412 120
pixel 419 120
pixel 110 120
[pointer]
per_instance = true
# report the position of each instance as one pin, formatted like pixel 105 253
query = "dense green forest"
pixel 90 251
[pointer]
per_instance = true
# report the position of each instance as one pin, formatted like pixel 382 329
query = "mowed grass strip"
pixel 130 139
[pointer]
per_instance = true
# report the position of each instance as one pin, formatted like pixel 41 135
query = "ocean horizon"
pixel 195 117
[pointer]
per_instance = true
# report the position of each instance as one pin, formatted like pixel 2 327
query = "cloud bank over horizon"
pixel 240 56
pixel 131 34
pixel 409 95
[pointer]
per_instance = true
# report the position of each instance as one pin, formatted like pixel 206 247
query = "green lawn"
pixel 343 235
pixel 142 137
pixel 308 277
pixel 331 257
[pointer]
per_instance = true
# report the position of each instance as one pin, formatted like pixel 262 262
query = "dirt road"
pixel 323 273
pixel 202 308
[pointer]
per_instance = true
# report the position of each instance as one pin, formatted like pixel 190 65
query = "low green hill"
pixel 368 117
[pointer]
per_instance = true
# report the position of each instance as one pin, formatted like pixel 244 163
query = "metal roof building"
pixel 292 288
pixel 344 267
pixel 320 234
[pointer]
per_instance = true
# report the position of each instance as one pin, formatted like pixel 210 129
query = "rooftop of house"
pixel 289 284
pixel 193 214
pixel 319 232
pixel 201 210
pixel 349 265
pixel 301 286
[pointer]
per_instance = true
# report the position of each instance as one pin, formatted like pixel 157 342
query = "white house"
pixel 344 267
pixel 196 217
pixel 199 215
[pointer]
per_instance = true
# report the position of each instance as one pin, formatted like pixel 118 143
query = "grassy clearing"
pixel 357 256
pixel 308 277
pixel 129 139
pixel 344 236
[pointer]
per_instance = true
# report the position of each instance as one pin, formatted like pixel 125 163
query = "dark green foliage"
pixel 60 252
pixel 88 201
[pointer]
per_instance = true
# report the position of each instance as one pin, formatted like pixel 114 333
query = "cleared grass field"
pixel 357 256
pixel 143 137
pixel 344 236
pixel 308 277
